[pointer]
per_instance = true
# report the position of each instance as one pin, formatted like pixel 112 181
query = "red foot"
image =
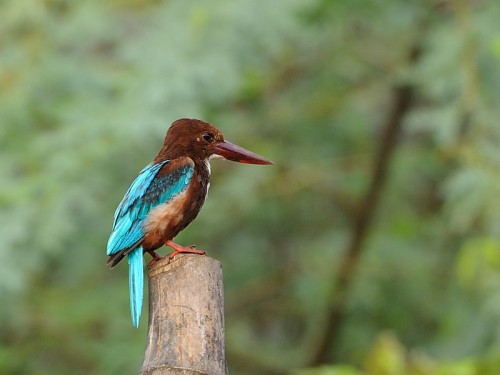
pixel 156 258
pixel 181 249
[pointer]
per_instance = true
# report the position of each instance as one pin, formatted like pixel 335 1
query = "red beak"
pixel 232 152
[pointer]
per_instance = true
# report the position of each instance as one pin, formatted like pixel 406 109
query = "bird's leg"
pixel 156 258
pixel 181 249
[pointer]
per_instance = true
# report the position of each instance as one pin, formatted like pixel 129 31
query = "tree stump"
pixel 186 318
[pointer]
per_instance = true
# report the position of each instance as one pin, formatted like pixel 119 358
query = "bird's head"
pixel 201 140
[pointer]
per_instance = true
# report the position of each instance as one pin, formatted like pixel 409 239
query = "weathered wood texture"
pixel 186 318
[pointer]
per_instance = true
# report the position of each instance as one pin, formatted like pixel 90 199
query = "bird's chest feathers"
pixel 166 220
pixel 167 215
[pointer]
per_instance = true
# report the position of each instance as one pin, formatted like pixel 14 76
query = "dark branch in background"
pixel 402 101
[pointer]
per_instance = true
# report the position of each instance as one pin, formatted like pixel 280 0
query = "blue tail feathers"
pixel 136 283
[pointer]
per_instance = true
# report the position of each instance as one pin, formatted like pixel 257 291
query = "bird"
pixel 166 196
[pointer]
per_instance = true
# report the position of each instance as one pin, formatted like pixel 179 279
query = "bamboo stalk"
pixel 186 318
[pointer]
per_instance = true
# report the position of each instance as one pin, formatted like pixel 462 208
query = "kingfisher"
pixel 166 196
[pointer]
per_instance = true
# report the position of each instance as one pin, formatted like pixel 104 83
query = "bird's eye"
pixel 209 137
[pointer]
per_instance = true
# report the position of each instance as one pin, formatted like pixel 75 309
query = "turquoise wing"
pixel 148 190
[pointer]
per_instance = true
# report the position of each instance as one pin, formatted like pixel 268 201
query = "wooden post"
pixel 186 318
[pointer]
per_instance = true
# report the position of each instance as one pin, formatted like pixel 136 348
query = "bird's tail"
pixel 136 283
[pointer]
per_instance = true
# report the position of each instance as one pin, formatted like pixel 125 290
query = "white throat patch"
pixel 207 164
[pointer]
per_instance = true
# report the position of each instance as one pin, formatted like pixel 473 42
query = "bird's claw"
pixel 181 249
pixel 156 258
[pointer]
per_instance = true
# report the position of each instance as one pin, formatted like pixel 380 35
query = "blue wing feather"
pixel 147 191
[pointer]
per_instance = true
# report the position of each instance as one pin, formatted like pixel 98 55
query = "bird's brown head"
pixel 200 140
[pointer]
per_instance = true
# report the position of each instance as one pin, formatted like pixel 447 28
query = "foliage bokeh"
pixel 87 91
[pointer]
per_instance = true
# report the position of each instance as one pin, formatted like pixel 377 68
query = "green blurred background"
pixel 372 246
